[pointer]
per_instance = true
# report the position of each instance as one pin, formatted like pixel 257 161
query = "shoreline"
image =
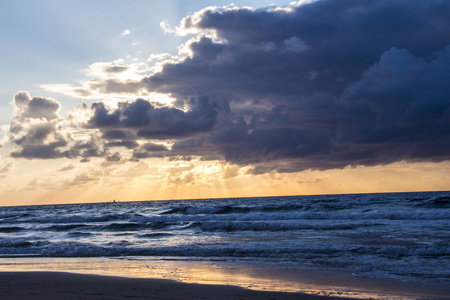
pixel 36 276
pixel 62 285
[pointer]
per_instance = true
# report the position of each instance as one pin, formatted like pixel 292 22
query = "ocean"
pixel 394 236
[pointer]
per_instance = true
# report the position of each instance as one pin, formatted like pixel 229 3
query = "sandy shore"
pixel 59 285
pixel 71 278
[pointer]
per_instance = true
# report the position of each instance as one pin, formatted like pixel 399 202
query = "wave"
pixel 229 209
pixel 13 215
pixel 11 229
pixel 80 234
pixel 14 243
pixel 399 251
pixel 123 227
pixel 105 227
pixel 213 226
pixel 247 222
pixel 25 247
pixel 49 218
pixel 204 225
pixel 155 235
pixel 66 227
pixel 368 215
pixel 435 202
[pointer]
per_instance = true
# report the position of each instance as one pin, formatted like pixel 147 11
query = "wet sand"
pixel 60 285
pixel 72 278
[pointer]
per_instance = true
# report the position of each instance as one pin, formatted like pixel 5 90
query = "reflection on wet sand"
pixel 249 275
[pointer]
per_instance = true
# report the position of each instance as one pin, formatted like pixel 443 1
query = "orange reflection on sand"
pixel 249 275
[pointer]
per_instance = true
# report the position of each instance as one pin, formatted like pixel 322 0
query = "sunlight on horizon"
pixel 206 180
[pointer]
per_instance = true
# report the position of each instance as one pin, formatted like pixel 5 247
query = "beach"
pixel 360 246
pixel 60 285
pixel 113 278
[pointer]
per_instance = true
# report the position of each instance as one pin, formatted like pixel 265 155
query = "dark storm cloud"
pixel 115 134
pixel 150 150
pixel 142 120
pixel 335 41
pixel 325 85
pixel 91 148
pixel 154 147
pixel 41 141
pixel 398 110
pixel 120 143
pixel 41 151
pixel 410 103
pixel 320 85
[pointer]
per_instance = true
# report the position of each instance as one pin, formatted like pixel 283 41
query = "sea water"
pixel 401 236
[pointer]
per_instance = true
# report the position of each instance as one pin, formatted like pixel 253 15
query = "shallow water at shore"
pixel 263 277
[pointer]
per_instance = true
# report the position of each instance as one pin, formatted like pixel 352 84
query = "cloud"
pixel 294 44
pixel 165 26
pixel 83 179
pixel 88 149
pixel 35 130
pixel 36 107
pixel 41 141
pixel 126 32
pixel 399 110
pixel 120 143
pixel 137 170
pixel 150 150
pixel 107 69
pixel 39 133
pixel 68 167
pixel 114 158
pixel 109 81
pixel 365 85
pixel 230 172
pixel 5 167
pixel 140 119
pixel 349 37
pixel 315 85
pixel 410 106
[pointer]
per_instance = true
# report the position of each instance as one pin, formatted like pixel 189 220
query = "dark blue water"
pixel 397 235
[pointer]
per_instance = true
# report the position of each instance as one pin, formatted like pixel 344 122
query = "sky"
pixel 158 100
